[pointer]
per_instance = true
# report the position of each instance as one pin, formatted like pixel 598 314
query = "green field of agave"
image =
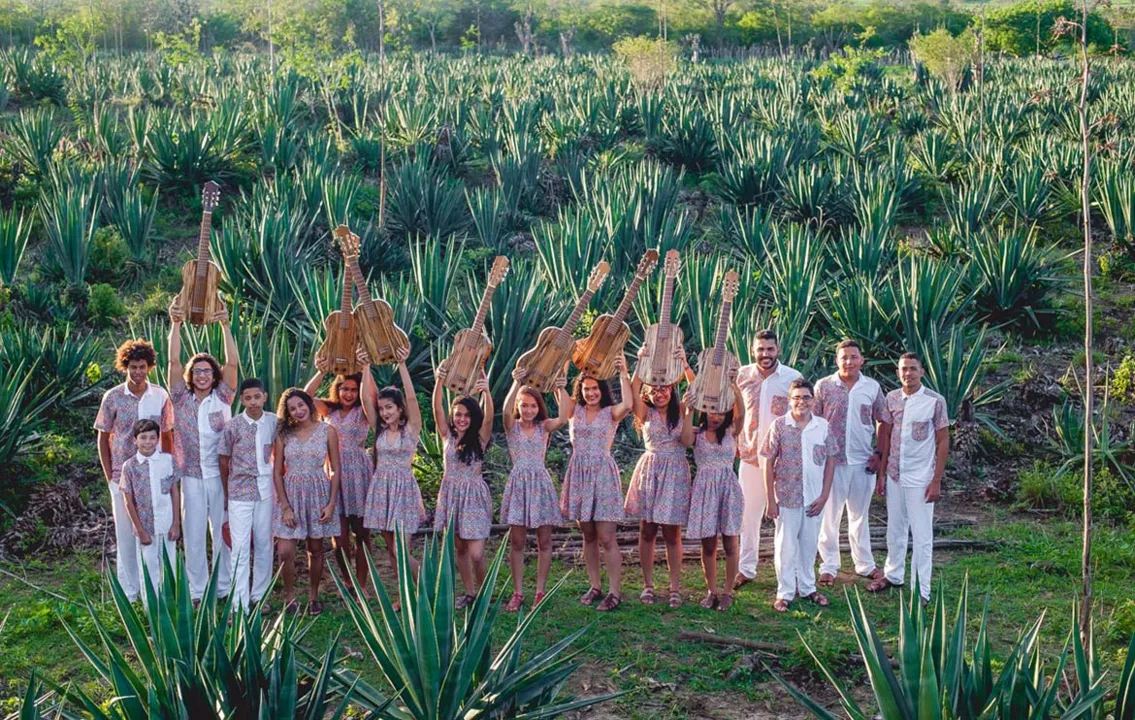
pixel 857 196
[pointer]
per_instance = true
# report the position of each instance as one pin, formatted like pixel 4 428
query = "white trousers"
pixel 852 486
pixel 150 560
pixel 795 557
pixel 126 550
pixel 250 524
pixel 756 498
pixel 909 513
pixel 203 502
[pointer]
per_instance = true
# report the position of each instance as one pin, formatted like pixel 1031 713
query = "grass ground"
pixel 1031 567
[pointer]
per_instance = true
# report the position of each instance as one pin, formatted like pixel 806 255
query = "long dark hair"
pixel 719 434
pixel 605 399
pixel 469 449
pixel 287 425
pixel 541 406
pixel 395 396
pixel 673 408
pixel 333 400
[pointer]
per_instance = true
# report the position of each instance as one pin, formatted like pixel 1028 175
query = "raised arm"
pixel 738 410
pixel 487 409
pixel 174 367
pixel 313 384
pixel 565 406
pixel 620 411
pixel 413 410
pixel 687 438
pixel 229 373
pixel 368 397
pixel 441 422
pixel 507 418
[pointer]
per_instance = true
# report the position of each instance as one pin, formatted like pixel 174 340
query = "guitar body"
pixel 340 344
pixel 545 362
pixel 377 333
pixel 595 355
pixel 465 364
pixel 204 289
pixel 712 389
pixel 660 366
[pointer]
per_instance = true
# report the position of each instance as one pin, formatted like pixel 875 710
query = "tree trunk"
pixel 433 39
pixel 1089 375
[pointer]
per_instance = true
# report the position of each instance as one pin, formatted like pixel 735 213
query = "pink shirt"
pixel 851 414
pixel 198 424
pixel 765 399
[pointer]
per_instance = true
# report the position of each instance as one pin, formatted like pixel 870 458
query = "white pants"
pixel 756 498
pixel 126 546
pixel 852 485
pixel 204 506
pixel 250 524
pixel 908 512
pixel 150 560
pixel 795 556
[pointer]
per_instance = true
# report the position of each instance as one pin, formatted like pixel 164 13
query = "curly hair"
pixel 218 371
pixel 605 399
pixel 287 425
pixel 132 350
pixel 469 448
pixel 333 400
pixel 673 407
pixel 541 406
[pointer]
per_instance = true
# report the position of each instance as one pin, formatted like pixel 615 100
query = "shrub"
pixel 649 61
pixel 109 255
pixel 1123 379
pixel 104 305
pixel 944 55
pixel 1044 487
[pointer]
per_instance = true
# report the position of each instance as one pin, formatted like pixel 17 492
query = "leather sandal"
pixel 818 598
pixel 780 605
pixel 709 602
pixel 826 580
pixel 880 585
pixel 724 602
pixel 611 602
pixel 589 597
pixel 741 581
pixel 514 603
pixel 315 608
pixel 539 597
pixel 646 597
pixel 675 599
pixel 463 602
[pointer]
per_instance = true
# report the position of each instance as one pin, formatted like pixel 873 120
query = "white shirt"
pixel 859 436
pixel 765 399
pixel 923 414
pixel 209 439
pixel 152 402
pixel 161 467
pixel 265 437
pixel 814 435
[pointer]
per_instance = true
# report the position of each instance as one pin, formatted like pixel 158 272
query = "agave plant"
pixel 974 203
pixel 70 217
pixel 808 194
pixel 1108 450
pixel 57 359
pixel 1015 276
pixel 940 675
pixel 435 269
pixel 858 307
pixel 1115 197
pixel 135 222
pixel 954 363
pixel 930 296
pixel 750 171
pixel 191 662
pixel 441 661
pixel 794 261
pixel 14 232
pixel 422 200
pixel 20 412
pixel 490 217
pixel 1029 192
pixel 855 135
pixel 35 135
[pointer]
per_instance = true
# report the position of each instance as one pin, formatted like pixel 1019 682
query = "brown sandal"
pixel 880 585
pixel 826 580
pixel 514 603
pixel 724 602
pixel 709 602
pixel 463 602
pixel 675 599
pixel 589 597
pixel 646 597
pixel 818 598
pixel 741 581
pixel 875 574
pixel 780 605
pixel 611 602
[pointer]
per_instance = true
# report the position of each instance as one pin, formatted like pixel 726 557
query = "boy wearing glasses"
pixel 800 457
pixel 202 392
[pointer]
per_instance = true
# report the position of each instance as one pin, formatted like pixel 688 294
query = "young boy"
pixel 800 462
pixel 245 454
pixel 150 493
pixel 122 406
pixel 910 475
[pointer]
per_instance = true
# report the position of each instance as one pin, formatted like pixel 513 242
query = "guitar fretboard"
pixel 203 243
pixel 722 331
pixel 625 305
pixel 577 313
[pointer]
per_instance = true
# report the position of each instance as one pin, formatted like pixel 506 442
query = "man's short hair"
pixel 911 356
pixel 251 384
pixel 848 343
pixel 146 425
pixel 766 334
pixel 802 383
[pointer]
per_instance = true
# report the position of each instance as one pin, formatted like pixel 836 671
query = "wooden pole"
pixel 1089 375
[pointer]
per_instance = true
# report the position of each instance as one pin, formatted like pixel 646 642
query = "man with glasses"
pixel 800 456
pixel 202 392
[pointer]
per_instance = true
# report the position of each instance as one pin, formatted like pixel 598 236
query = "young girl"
pixel 593 489
pixel 659 493
pixel 394 502
pixel 716 502
pixel 463 498
pixel 344 411
pixel 305 491
pixel 529 499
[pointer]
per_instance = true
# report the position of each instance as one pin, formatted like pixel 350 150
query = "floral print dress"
pixel 716 502
pixel 307 487
pixel 463 497
pixel 660 487
pixel 394 501
pixel 354 465
pixel 529 499
pixel 592 487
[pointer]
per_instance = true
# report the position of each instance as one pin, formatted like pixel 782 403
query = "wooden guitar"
pixel 664 339
pixel 199 298
pixel 341 342
pixel 374 319
pixel 471 347
pixel 595 355
pixel 713 388
pixel 545 362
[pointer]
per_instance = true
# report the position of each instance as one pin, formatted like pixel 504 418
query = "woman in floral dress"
pixel 305 491
pixel 344 410
pixel 463 499
pixel 394 501
pixel 592 493
pixel 529 499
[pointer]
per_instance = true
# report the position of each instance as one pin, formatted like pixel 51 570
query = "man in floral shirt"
pixel 122 406
pixel 800 458
pixel 202 392
pixel 910 475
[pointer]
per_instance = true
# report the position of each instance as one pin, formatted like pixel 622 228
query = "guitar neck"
pixel 483 310
pixel 722 331
pixel 625 305
pixel 203 242
pixel 577 313
pixel 667 304
pixel 346 298
pixel 361 284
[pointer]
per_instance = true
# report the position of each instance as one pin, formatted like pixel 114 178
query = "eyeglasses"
pixel 202 371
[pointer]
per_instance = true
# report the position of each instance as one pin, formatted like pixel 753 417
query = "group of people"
pixel 181 466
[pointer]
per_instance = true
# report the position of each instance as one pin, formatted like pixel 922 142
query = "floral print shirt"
pixel 197 428
pixel 785 445
pixel 120 409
